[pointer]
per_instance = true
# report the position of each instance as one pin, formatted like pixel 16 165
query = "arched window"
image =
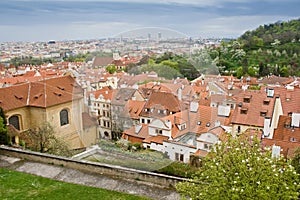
pixel 64 117
pixel 14 120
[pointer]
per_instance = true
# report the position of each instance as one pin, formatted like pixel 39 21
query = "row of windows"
pixel 143 121
pixel 63 116
pixel 103 105
pixel 179 157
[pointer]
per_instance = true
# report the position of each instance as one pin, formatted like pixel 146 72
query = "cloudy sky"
pixel 43 20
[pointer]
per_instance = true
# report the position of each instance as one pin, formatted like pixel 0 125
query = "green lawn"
pixel 17 185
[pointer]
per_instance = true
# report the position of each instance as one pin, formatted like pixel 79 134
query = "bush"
pixel 179 169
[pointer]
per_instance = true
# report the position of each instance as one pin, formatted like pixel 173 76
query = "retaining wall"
pixel 92 167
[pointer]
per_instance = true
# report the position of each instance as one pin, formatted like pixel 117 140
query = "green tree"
pixel 3 129
pixel 296 160
pixel 111 69
pixel 170 63
pixel 43 139
pixel 239 169
pixel 239 72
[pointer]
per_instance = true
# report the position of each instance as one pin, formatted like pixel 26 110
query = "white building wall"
pixel 157 147
pixel 171 149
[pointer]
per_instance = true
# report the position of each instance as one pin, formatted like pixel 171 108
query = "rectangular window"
pixel 205 146
pixel 263 114
pixel 181 157
pixel 176 156
pixel 244 111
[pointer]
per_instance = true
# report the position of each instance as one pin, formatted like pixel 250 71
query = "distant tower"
pixel 149 36
pixel 159 36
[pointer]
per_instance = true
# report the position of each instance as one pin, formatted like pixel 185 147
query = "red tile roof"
pixel 134 108
pixel 285 136
pixel 143 132
pixel 106 92
pixel 253 108
pixel 290 99
pixel 44 93
pixel 159 139
pixel 161 101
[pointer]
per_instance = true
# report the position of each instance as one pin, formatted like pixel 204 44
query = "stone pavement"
pixel 89 179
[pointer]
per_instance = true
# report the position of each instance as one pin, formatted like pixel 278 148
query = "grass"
pixel 17 185
pixel 143 159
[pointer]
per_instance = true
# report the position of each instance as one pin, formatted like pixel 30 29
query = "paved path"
pixel 79 177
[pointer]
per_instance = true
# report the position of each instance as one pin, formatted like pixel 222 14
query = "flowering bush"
pixel 241 169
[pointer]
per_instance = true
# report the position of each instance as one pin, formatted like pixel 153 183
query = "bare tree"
pixel 43 139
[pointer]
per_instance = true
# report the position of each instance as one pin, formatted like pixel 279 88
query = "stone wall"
pixel 97 168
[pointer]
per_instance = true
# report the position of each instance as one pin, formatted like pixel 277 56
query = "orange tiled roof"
pixel 134 108
pixel 143 133
pixel 253 108
pixel 285 136
pixel 44 93
pixel 290 99
pixel 162 100
pixel 159 139
pixel 106 92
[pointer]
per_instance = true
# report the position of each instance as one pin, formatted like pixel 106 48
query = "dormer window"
pixel 208 124
pixel 199 123
pixel 287 125
pixel 266 102
pixel 263 113
pixel 244 110
pixel 182 127
pixel 247 99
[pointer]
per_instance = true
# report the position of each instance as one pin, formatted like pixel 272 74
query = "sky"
pixel 43 20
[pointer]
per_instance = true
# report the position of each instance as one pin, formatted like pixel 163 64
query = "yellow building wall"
pixel 72 133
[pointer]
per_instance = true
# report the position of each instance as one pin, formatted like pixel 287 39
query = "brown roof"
pixel 253 108
pixel 106 92
pixel 289 99
pixel 163 101
pixel 102 61
pixel 134 108
pixel 276 80
pixel 285 136
pixel 197 122
pixel 285 132
pixel 159 139
pixel 44 93
pixel 143 132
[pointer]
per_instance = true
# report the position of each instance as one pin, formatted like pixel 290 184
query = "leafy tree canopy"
pixel 239 169
pixel 3 129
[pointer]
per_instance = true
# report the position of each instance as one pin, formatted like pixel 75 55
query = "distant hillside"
pixel 269 49
pixel 285 32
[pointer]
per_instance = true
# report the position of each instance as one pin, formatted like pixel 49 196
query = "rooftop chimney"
pixel 296 120
pixel 267 124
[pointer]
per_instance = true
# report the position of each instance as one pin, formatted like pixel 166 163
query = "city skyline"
pixel 32 20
